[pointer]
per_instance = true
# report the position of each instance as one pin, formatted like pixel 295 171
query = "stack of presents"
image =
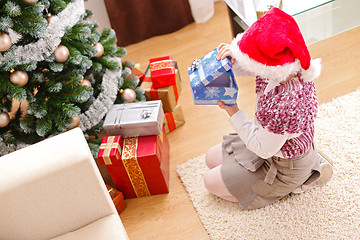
pixel 136 150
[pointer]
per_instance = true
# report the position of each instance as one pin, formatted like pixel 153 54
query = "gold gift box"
pixel 174 119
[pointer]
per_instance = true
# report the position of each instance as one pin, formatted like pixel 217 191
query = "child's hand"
pixel 230 109
pixel 224 51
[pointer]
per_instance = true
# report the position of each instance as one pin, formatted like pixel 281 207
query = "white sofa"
pixel 53 190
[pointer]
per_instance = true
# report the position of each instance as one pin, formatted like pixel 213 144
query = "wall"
pixel 100 14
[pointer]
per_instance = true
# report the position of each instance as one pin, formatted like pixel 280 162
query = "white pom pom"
pixel 313 72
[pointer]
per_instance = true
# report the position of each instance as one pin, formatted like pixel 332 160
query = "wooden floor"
pixel 172 216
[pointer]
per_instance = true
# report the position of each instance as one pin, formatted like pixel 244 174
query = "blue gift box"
pixel 212 80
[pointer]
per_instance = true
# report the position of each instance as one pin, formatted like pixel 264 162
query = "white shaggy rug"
pixel 329 212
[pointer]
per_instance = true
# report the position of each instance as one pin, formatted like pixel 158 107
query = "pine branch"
pixel 5 23
pixel 56 67
pixel 78 95
pixel 121 52
pixel 26 123
pixel 43 126
pixel 57 6
pixel 97 67
pixel 83 48
pixel 30 23
pixel 12 9
pixel 38 107
pixel 110 64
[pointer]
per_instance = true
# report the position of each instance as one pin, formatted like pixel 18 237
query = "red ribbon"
pixel 153 91
pixel 170 121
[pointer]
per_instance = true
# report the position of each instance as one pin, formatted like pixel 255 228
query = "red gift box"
pixel 110 150
pixel 118 199
pixel 143 169
pixel 162 71
pixel 139 74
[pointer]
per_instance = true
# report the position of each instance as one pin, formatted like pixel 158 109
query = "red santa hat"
pixel 274 48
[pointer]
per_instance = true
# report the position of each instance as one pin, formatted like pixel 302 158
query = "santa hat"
pixel 274 48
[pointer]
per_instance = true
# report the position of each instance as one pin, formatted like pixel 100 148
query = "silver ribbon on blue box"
pixel 135 119
pixel 195 64
pixel 212 80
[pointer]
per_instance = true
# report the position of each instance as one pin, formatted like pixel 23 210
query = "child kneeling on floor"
pixel 274 155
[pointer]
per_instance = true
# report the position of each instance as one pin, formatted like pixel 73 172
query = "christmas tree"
pixel 57 72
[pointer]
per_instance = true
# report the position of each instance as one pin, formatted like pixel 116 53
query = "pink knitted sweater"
pixel 289 108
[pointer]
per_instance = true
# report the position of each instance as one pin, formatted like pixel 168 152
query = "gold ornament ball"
pixel 49 16
pixel 5 42
pixel 19 78
pixel 61 53
pixel 85 82
pixel 128 95
pixel 75 122
pixel 99 49
pixel 4 119
pixel 30 1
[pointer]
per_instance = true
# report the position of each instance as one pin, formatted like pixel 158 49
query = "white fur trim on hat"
pixel 313 72
pixel 275 74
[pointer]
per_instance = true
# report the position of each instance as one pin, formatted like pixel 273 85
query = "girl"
pixel 274 155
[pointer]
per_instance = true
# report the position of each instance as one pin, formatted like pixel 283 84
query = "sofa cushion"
pixel 109 228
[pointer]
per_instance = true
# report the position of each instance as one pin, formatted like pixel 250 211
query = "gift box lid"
pixel 165 60
pixel 146 73
pixel 212 72
pixel 134 115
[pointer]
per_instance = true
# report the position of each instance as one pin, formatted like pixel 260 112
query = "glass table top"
pixel 317 19
pixel 298 7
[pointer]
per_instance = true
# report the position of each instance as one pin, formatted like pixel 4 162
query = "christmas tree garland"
pixel 104 101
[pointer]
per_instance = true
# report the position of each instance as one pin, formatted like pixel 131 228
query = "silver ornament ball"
pixel 4 119
pixel 128 95
pixel 61 53
pixel 5 42
pixel 19 78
